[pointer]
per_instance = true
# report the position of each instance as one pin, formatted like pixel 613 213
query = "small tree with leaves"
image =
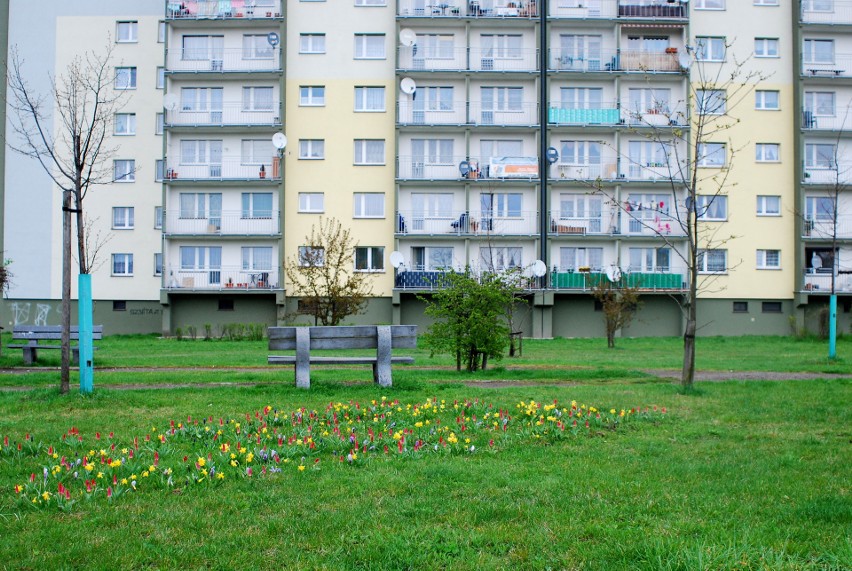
pixel 619 303
pixel 323 274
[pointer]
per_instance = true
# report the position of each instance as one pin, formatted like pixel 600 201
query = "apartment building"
pixel 490 134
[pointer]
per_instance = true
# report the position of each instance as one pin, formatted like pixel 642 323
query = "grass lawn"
pixel 739 475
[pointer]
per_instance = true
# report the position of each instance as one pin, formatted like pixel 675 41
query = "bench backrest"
pixel 50 332
pixel 343 337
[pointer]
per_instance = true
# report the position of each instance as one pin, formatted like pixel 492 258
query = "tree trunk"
pixel 65 370
pixel 688 373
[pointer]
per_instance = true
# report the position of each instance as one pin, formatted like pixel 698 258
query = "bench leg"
pixel 75 355
pixel 382 367
pixel 30 355
pixel 303 358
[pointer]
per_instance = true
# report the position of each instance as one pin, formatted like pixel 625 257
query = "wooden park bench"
pixel 36 336
pixel 383 338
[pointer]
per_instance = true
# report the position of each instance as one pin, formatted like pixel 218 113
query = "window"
pixel 225 304
pixel 203 48
pixel 369 151
pixel 431 258
pixel 501 205
pixel 580 152
pixel 208 258
pixel 124 170
pixel 371 2
pixel 432 151
pixel 257 46
pixel 159 170
pixel 766 47
pixel 711 207
pixel 709 4
pixel 820 155
pixel 711 101
pixel 311 256
pixel 766 100
pixel 369 46
pixel 122 264
pixel 201 152
pixel 201 98
pixel 740 307
pixel 650 43
pixel 161 77
pixel 502 46
pixel 125 123
pixel 160 121
pixel 369 259
pixel 369 205
pixel 256 151
pixel 648 100
pixel 501 99
pixel 122 217
pixel 497 258
pixel 125 78
pixel 257 99
pixel 158 264
pixel 313 149
pixel 709 49
pixel 820 103
pixel 369 99
pixel 582 97
pixel 767 2
pixel 436 46
pixel 126 32
pixel 574 258
pixel 771 307
pixel 712 261
pixel 768 205
pixel 158 217
pixel 818 51
pixel 820 208
pixel 257 205
pixel 650 259
pixel 258 258
pixel 769 259
pixel 161 32
pixel 195 205
pixel 119 305
pixel 818 5
pixel 767 152
pixel 311 43
pixel 711 154
pixel 312 95
pixel 311 202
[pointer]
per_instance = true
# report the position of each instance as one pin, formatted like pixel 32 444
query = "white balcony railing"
pixel 466 9
pixel 414 58
pixel 223 9
pixel 464 113
pixel 227 169
pixel 607 114
pixel 821 281
pixel 841 120
pixel 840 66
pixel 826 12
pixel 839 175
pixel 477 223
pixel 230 278
pixel 823 228
pixel 666 115
pixel 229 114
pixel 602 60
pixel 224 223
pixel 580 9
pixel 224 61
pixel 447 168
pixel 606 169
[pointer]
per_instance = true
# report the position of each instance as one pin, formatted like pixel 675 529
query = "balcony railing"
pixel 429 280
pixel 415 58
pixel 580 9
pixel 467 9
pixel 840 66
pixel 608 114
pixel 668 280
pixel 607 169
pixel 841 120
pixel 229 114
pixel 826 12
pixel 227 169
pixel 224 60
pixel 227 278
pixel 674 115
pixel 475 223
pixel 823 228
pixel 841 174
pixel 223 223
pixel 819 281
pixel 464 113
pixel 653 9
pixel 447 168
pixel 223 9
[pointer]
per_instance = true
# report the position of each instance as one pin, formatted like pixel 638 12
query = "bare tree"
pixel 66 130
pixel 691 135
pixel 324 275
pixel 619 303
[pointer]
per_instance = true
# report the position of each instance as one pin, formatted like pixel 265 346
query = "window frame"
pixel 308 98
pixel 308 41
pixel 362 205
pixel 132 26
pixel 361 153
pixel 128 174
pixel 130 127
pixel 305 251
pixel 132 78
pixel 760 99
pixel 704 157
pixel 308 149
pixel 127 218
pixel 362 96
pixel 375 259
pixel 158 263
pixel 760 152
pixel 363 48
pixel 762 206
pixel 305 207
pixel 707 5
pixel 702 260
pixel 126 261
pixel 706 48
pixel 763 259
pixel 708 203
pixel 765 44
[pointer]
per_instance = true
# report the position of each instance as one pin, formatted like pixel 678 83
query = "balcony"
pixel 430 280
pixel 464 113
pixel 225 223
pixel 840 121
pixel 820 282
pixel 601 60
pixel 827 175
pixel 606 169
pixel 826 12
pixel 447 168
pixel 227 169
pixel 231 113
pixel 585 281
pixel 222 9
pixel 467 9
pixel 663 170
pixel 662 116
pixel 223 61
pixel 653 9
pixel 224 278
pixel 413 59
pixel 607 115
pixel 473 223
pixel 840 67
pixel 822 228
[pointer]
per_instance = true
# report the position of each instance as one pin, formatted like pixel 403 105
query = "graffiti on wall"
pixel 22 312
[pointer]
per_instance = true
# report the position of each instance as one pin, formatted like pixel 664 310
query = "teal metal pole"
pixel 84 322
pixel 832 327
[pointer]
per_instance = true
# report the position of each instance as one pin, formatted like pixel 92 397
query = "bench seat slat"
pixel 291 360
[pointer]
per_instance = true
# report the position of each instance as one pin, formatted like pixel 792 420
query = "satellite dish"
pixel 407 37
pixel 407 85
pixel 464 168
pixel 685 60
pixel 613 273
pixel 538 268
pixel 279 141
pixel 170 101
pixel 396 259
pixel 273 39
pixel 552 155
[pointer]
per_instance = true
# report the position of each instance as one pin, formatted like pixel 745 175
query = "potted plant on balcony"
pixel 262 171
pixel 230 283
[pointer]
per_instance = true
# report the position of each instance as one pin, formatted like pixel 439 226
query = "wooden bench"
pixel 34 334
pixel 383 338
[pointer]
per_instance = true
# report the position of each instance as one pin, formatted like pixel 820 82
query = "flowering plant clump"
pixel 269 442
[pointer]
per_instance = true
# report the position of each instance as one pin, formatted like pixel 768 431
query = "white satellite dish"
pixel 396 259
pixel 170 101
pixel 407 85
pixel 685 60
pixel 279 141
pixel 613 273
pixel 407 37
pixel 538 268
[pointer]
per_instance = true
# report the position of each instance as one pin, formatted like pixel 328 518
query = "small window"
pixel 158 217
pixel 766 2
pixel 709 49
pixel 158 264
pixel 312 202
pixel 122 264
pixel 126 32
pixel 159 170
pixel 161 32
pixel 766 47
pixel 125 170
pixel 311 256
pixel 769 259
pixel 767 152
pixel 709 4
pixel 125 124
pixel 312 43
pixel 711 154
pixel 767 100
pixel 161 77
pixel 122 218
pixel 768 205
pixel 119 305
pixel 369 99
pixel 312 95
pixel 740 307
pixel 226 304
pixel 369 205
pixel 306 306
pixel 712 261
pixel 711 207
pixel 369 259
pixel 369 151
pixel 771 307
pixel 312 149
pixel 371 2
pixel 369 46
pixel 711 101
pixel 125 78
pixel 160 123
pixel 598 305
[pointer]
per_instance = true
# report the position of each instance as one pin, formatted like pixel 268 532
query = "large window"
pixel 649 100
pixel 122 264
pixel 256 258
pixel 202 48
pixel 432 151
pixel 312 43
pixel 125 78
pixel 712 261
pixel 257 46
pixel 126 32
pixel 818 51
pixel 766 47
pixel 122 217
pixel 369 259
pixel 369 99
pixel 124 170
pixel 435 46
pixel 194 205
pixel 256 152
pixel 820 155
pixel 768 259
pixel 125 123
pixel 312 95
pixel 580 152
pixel 711 207
pixel 820 103
pixel 711 154
pixel 501 205
pixel 369 151
pixel 257 205
pixel 369 205
pixel 571 259
pixel 819 208
pixel 709 48
pixel 502 98
pixel 502 46
pixel 581 97
pixel 201 152
pixel 311 202
pixel 207 258
pixel 257 98
pixel 498 258
pixel 650 259
pixel 432 258
pixel 312 149
pixel 768 205
pixel 369 46
pixel 201 98
pixel 817 5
